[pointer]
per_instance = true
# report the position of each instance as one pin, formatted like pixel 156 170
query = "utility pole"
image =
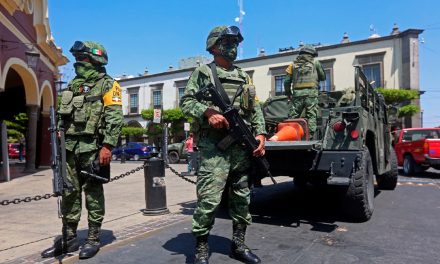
pixel 239 20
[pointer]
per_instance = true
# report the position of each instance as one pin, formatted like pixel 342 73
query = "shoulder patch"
pixel 113 96
pixel 289 69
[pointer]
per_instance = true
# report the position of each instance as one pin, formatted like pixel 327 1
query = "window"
pixel 157 99
pixel 181 92
pixel 326 85
pixel 372 66
pixel 373 73
pixel 134 103
pixel 279 84
pixel 180 87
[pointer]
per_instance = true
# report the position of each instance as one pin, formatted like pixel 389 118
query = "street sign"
pixel 156 116
pixel 186 127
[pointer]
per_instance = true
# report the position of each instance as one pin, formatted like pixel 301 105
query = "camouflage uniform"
pixel 217 167
pixel 90 112
pixel 302 86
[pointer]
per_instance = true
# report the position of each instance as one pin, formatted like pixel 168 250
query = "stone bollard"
pixel 155 189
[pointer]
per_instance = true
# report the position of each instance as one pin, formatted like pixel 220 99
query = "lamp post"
pixel 32 57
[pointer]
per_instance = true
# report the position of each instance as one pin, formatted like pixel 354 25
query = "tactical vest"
pixel 81 111
pixel 233 81
pixel 304 75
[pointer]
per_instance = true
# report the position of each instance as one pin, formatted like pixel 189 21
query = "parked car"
pixel 132 150
pixel 417 149
pixel 14 151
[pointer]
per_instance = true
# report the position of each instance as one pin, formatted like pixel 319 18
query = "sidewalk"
pixel 28 228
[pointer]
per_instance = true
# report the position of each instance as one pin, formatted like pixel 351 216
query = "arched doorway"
pixel 21 88
pixel 46 101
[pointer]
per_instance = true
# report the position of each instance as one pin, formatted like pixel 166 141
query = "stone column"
pixel 31 137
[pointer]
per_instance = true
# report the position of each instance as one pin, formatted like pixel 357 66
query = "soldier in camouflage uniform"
pixel 302 85
pixel 90 112
pixel 217 168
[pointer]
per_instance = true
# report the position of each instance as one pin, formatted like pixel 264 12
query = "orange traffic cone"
pixel 297 126
pixel 287 133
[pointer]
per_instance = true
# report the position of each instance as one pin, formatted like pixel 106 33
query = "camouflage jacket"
pixel 200 78
pixel 290 69
pixel 103 114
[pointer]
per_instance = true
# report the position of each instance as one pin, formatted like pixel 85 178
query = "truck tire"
pixel 388 180
pixel 409 166
pixel 359 198
pixel 173 157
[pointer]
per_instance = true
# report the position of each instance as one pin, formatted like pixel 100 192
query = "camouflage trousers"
pixel 215 170
pixel 94 192
pixel 305 100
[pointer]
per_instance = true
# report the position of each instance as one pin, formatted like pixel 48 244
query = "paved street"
pixel 290 226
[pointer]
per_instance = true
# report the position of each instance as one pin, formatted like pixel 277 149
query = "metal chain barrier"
pixel 50 195
pixel 179 175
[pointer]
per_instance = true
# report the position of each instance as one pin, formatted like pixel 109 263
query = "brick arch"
pixel 46 96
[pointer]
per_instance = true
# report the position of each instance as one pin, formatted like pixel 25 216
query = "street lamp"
pixel 32 57
pixel 59 85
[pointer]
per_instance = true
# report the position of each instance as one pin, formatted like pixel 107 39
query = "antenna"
pixel 239 20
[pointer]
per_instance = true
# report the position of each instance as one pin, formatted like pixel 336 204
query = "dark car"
pixel 14 151
pixel 132 150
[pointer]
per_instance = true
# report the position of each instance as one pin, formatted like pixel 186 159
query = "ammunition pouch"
pixel 66 106
pixel 247 101
pixel 79 114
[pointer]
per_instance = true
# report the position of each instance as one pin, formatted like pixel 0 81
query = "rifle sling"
pixel 218 84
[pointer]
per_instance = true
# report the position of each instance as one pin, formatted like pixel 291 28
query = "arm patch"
pixel 113 96
pixel 289 69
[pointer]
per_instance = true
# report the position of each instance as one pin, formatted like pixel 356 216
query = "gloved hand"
pixel 105 155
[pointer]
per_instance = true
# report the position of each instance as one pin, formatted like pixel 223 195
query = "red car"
pixel 417 149
pixel 14 150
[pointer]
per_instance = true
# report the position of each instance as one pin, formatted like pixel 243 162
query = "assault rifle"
pixel 238 131
pixel 59 181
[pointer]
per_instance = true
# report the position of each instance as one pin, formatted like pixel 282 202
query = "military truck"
pixel 352 144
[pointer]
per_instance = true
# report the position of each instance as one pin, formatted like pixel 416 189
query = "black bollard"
pixel 155 189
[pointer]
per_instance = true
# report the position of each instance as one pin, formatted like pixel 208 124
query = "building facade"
pixel 390 61
pixel 28 70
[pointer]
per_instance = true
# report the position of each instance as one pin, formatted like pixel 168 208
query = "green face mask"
pixel 84 69
pixel 228 51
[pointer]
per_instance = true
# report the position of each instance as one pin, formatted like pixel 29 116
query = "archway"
pixel 135 138
pixel 21 87
pixel 43 136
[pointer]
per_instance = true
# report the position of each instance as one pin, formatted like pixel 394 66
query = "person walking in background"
pixel 21 149
pixel 190 150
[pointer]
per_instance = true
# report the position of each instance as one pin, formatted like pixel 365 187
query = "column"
pixel 31 137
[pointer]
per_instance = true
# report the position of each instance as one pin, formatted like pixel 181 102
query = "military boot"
pixel 202 250
pixel 239 250
pixel 61 246
pixel 92 245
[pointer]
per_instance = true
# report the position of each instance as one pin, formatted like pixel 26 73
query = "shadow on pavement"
pixel 431 174
pixel 17 169
pixel 187 208
pixel 179 245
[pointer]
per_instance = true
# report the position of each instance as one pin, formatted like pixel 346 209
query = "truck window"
pixel 414 135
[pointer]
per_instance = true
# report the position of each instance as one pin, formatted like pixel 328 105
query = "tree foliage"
pixel 17 128
pixel 133 131
pixel 174 117
pixel 400 98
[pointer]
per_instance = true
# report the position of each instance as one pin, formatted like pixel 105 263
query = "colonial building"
pixel 28 70
pixel 389 61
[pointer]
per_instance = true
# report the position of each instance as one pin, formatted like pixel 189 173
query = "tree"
pixel 17 128
pixel 175 117
pixel 401 98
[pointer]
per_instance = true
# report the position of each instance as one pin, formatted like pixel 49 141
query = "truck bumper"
pixel 432 161
pixel 339 165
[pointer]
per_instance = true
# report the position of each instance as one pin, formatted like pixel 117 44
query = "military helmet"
pixel 309 49
pixel 93 50
pixel 219 32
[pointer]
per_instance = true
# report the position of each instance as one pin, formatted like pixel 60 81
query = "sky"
pixel 140 34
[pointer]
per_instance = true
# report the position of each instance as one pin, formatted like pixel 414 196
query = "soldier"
pixel 302 85
pixel 91 114
pixel 232 166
